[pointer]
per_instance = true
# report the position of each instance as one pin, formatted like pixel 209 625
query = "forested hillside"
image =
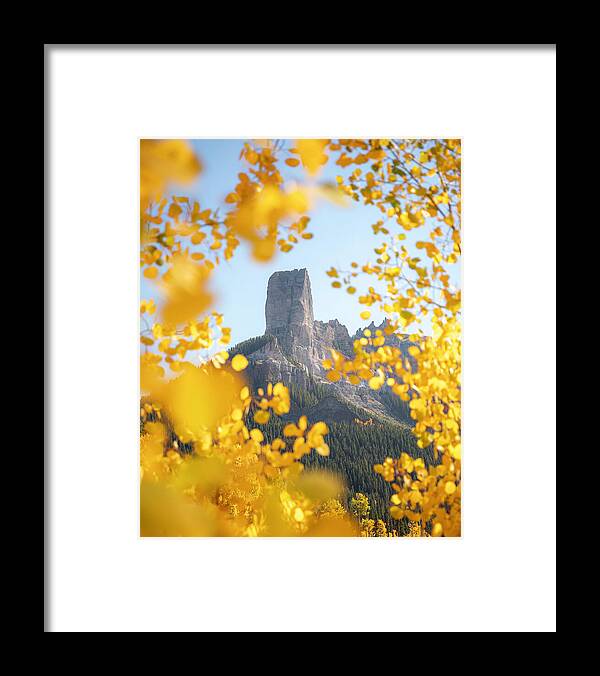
pixel 355 448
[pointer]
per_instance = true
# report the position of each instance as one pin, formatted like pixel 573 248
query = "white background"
pixel 500 576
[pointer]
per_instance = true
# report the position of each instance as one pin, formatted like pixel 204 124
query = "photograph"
pixel 262 263
pixel 300 337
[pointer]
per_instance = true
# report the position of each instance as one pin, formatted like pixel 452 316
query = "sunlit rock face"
pixel 289 302
pixel 289 313
pixel 294 346
pixel 334 335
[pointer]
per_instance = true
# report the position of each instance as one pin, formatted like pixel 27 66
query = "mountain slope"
pixel 293 347
pixel 365 426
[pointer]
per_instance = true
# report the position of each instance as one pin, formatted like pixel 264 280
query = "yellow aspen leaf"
pixel 333 376
pixel 396 512
pixel 291 430
pixel 151 272
pixel 174 210
pixel 257 435
pixel 262 417
pixel 292 162
pixel 239 362
pixel 184 287
pixel 280 390
pixel 198 400
pixel 319 428
pixel 278 444
pixel 365 315
pixel 450 487
pixel 148 307
pixel 375 383
pixel 311 153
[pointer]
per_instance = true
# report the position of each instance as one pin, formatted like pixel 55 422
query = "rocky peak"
pixel 289 301
pixel 395 339
pixel 332 334
pixel 295 345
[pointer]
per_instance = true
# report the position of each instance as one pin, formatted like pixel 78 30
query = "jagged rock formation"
pixel 294 345
pixel 289 308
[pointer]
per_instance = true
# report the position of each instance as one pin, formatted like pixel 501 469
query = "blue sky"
pixel 341 235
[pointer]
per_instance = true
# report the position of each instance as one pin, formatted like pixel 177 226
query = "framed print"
pixel 263 263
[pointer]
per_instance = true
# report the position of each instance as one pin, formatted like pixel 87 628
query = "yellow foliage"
pixel 312 154
pixel 163 162
pixel 258 216
pixel 198 400
pixel 184 289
